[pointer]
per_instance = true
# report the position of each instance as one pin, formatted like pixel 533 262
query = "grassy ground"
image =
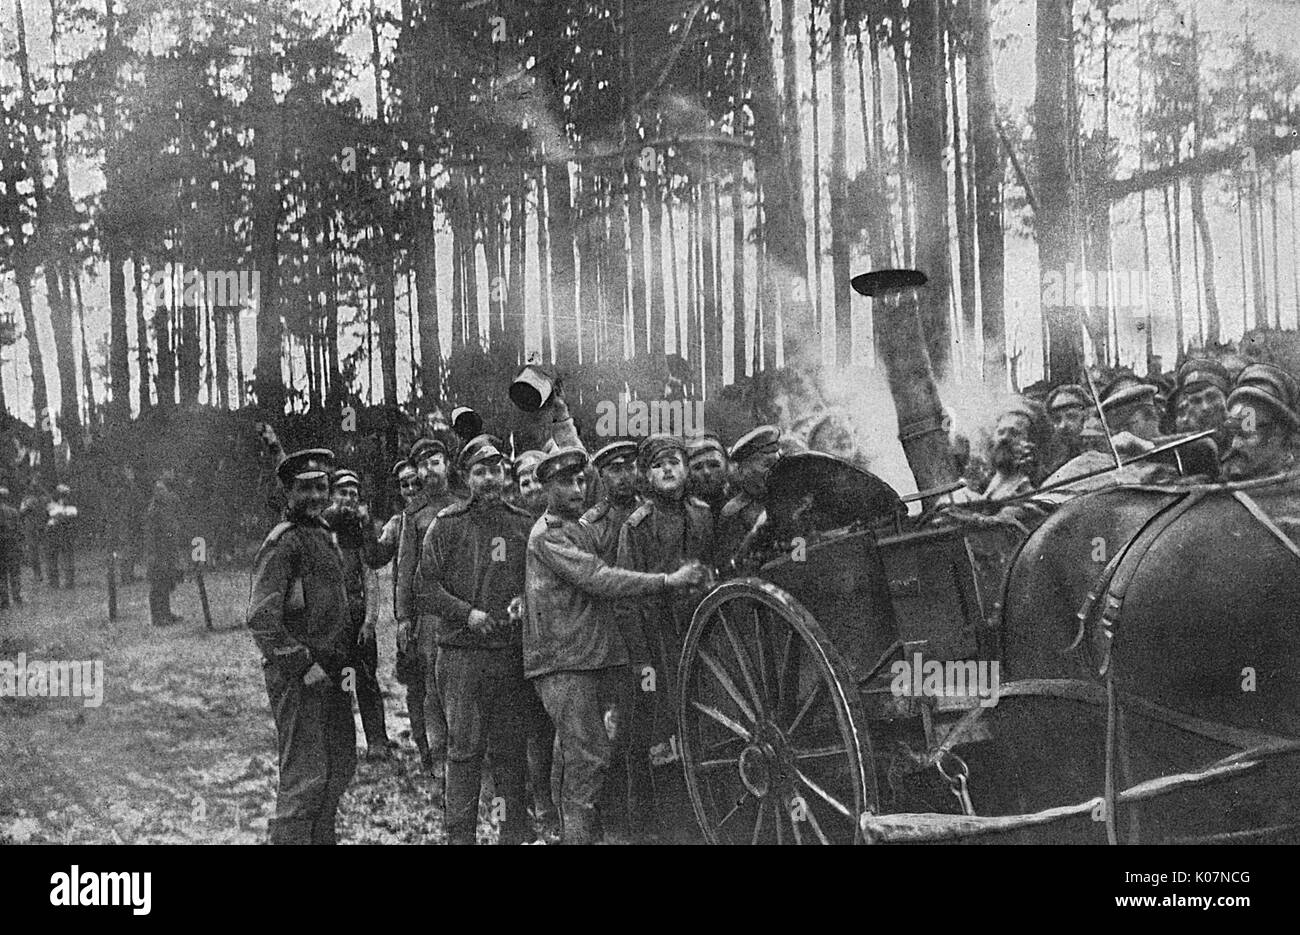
pixel 183 747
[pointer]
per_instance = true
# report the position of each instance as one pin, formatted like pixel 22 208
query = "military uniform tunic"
pixel 298 615
pixel 575 654
pixel 473 558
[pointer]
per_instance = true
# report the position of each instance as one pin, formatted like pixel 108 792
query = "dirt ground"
pixel 182 750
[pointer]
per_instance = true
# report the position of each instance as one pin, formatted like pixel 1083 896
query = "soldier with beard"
pixel 573 653
pixel 1017 439
pixel 752 458
pixel 348 518
pixel 1200 399
pixel 666 531
pixel 472 577
pixel 414 621
pixel 707 460
pixel 1263 422
pixel 298 615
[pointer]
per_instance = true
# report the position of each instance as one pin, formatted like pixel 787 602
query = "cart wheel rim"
pixel 774 739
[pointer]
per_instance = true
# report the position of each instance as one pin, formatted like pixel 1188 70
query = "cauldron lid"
pixel 882 281
pixel 814 492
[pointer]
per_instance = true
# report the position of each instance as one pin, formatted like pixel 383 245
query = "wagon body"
pixel 800 718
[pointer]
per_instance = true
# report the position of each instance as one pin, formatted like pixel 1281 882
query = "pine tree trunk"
pixel 962 202
pixel 987 177
pixel 739 347
pixel 815 271
pixel 142 334
pixel 841 237
pixel 544 263
pixel 710 312
pixel 426 285
pixel 266 218
pixel 1175 265
pixel 655 206
pixel 927 120
pixel 1056 140
pixel 42 419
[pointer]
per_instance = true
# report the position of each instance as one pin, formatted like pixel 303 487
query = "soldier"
pixel 1130 406
pixel 472 577
pixel 11 551
pixel 409 670
pixel 60 529
pixel 32 512
pixel 429 456
pixel 348 518
pixel 528 492
pixel 616 463
pixel 1263 421
pixel 707 460
pixel 666 531
pixel 753 456
pixel 1017 439
pixel 1067 407
pixel 162 547
pixel 1200 399
pixel 572 651
pixel 298 615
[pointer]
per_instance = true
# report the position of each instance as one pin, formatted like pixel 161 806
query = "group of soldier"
pixel 542 600
pixel 539 621
pixel 39 532
pixel 1248 421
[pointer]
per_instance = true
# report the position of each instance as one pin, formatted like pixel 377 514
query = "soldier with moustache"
pixel 1264 425
pixel 752 457
pixel 472 577
pixel 573 651
pixel 349 519
pixel 299 618
pixel 666 531
pixel 414 624
pixel 708 464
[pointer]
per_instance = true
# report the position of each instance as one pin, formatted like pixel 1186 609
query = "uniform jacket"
pixel 606 518
pixel 473 558
pixel 11 530
pixel 360 550
pixel 162 528
pixel 660 536
pixel 738 518
pixel 295 627
pixel 62 520
pixel 567 628
pixel 419 514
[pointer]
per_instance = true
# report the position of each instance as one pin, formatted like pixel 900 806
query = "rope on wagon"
pixel 924 827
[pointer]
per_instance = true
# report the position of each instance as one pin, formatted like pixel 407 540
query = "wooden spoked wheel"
pixel 774 738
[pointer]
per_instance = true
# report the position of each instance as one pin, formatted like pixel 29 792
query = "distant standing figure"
pixel 11 551
pixel 60 528
pixel 162 530
pixel 32 512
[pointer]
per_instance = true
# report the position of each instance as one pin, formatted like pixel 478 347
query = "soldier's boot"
pixel 463 778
